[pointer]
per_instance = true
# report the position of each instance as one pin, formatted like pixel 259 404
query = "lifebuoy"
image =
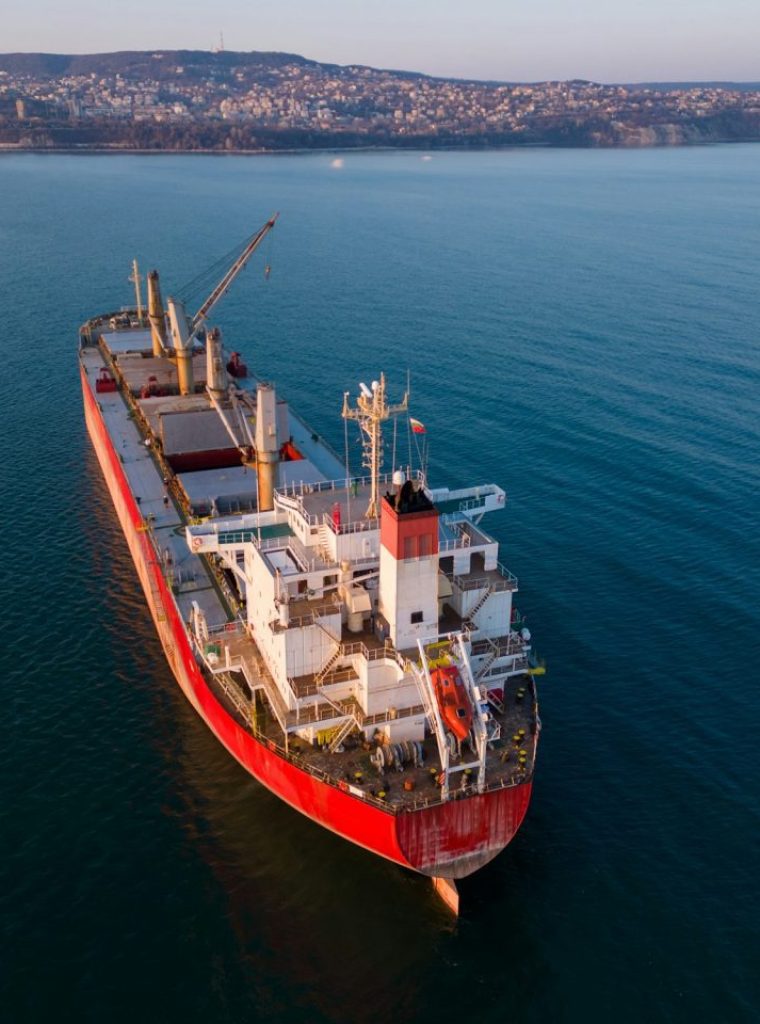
pixel 196 544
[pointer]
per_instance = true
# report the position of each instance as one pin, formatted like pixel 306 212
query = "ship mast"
pixel 371 411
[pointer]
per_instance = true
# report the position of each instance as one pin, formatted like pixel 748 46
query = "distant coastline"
pixel 253 103
pixel 337 151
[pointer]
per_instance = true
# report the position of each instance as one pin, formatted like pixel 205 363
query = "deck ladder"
pixel 470 616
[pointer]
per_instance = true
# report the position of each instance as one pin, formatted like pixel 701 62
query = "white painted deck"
pixel 186 571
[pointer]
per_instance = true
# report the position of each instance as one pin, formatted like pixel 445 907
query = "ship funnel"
pixel 267 447
pixel 183 346
pixel 216 375
pixel 156 314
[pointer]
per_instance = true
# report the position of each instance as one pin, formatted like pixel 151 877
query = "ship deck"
pixel 194 579
pixel 412 787
pixel 189 576
pixel 504 766
pixel 395 790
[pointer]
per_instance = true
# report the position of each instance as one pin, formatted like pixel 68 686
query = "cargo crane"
pixel 259 445
pixel 184 330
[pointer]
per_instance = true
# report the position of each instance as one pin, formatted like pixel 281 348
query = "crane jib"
pixel 224 285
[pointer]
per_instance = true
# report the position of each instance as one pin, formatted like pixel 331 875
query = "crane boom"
pixel 230 276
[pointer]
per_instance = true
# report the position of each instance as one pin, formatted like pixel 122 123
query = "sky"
pixel 508 40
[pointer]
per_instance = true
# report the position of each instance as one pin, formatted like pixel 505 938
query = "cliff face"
pixel 734 126
pixel 726 126
pixel 635 136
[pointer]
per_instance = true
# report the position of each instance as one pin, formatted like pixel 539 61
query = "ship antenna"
pixel 135 278
pixel 395 434
pixel 348 461
pixel 409 427
pixel 371 411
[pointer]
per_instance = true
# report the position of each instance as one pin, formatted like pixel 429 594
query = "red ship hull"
pixel 449 840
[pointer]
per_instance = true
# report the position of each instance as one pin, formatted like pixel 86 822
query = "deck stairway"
pixel 350 720
pixel 309 559
pixel 329 665
pixel 498 581
pixel 470 617
pixel 347 726
pixel 491 655
pixel 323 543
pixel 228 650
pixel 501 647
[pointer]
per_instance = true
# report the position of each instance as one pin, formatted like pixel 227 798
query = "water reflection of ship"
pixel 286 883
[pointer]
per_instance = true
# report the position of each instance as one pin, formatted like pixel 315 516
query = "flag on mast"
pixel 417 427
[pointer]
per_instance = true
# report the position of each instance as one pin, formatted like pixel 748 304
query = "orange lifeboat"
pixel 453 701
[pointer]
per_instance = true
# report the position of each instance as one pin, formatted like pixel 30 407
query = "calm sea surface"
pixel 582 328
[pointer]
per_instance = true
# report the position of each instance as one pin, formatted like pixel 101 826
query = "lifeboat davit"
pixel 453 701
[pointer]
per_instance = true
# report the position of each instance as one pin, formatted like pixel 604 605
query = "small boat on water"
pixel 453 701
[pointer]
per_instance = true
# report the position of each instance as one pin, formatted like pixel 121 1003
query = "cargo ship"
pixel 349 634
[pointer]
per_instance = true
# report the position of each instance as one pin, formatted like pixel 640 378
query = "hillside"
pixel 256 101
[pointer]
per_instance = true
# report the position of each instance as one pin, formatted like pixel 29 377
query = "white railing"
pixel 508 581
pixel 472 503
pixel 469 497
pixel 293 496
pixel 308 558
pixel 298 490
pixel 356 526
pixel 234 538
pixel 468 535
pixel 312 618
pixel 505 646
pixel 508 576
pixel 462 540
pixel 234 628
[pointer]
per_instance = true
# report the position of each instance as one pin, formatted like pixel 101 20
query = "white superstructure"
pixel 338 601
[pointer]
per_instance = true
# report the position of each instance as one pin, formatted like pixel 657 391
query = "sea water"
pixel 579 327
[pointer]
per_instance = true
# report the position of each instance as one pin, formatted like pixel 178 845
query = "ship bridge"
pixel 311 573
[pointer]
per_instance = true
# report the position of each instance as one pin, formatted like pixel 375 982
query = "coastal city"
pixel 248 101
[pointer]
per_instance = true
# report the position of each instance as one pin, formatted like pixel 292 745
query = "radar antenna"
pixel 371 411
